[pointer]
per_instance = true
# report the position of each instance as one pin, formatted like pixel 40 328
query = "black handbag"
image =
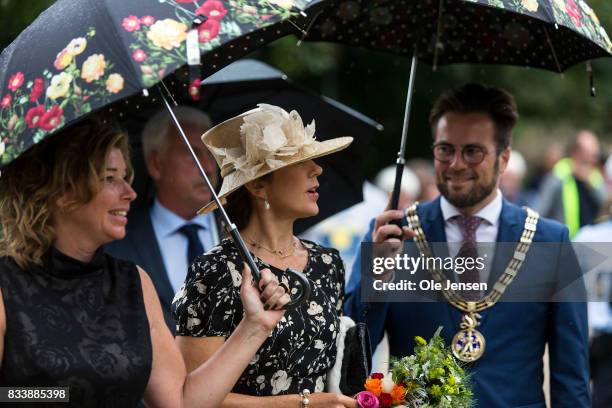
pixel 357 359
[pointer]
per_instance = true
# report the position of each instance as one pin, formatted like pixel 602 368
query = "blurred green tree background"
pixel 552 106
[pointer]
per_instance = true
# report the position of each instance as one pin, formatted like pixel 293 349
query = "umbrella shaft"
pixel 246 256
pixel 413 68
pixel 401 155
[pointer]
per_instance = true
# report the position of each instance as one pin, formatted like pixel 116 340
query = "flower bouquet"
pixel 430 378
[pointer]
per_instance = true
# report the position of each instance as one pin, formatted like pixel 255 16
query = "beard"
pixel 472 197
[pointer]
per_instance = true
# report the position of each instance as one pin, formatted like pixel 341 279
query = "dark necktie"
pixel 194 248
pixel 468 224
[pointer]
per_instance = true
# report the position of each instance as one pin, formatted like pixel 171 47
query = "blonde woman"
pixel 269 181
pixel 74 317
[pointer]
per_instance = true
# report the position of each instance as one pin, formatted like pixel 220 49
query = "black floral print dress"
pixel 301 349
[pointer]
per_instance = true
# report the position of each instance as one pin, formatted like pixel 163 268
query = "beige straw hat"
pixel 261 141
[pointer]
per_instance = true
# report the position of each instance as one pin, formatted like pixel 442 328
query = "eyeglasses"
pixel 471 154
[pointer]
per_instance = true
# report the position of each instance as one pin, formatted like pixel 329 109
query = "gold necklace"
pixel 469 344
pixel 281 253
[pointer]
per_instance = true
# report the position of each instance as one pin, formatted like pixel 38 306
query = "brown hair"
pixel 239 205
pixel 69 163
pixel 477 98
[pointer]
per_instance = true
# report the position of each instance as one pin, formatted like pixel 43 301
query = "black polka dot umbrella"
pixel 547 34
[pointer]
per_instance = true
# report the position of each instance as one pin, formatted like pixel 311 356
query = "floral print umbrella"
pixel 548 34
pixel 81 55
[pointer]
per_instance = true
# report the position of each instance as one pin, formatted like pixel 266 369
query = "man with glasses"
pixel 472 129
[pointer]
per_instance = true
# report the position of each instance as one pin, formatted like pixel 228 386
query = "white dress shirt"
pixel 486 231
pixel 173 244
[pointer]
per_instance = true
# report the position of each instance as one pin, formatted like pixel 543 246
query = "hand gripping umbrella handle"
pixel 304 285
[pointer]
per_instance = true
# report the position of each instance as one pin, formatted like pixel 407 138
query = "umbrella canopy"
pixel 547 34
pixel 81 55
pixel 245 83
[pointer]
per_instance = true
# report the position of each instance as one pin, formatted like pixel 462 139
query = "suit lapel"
pixel 434 224
pixel 510 229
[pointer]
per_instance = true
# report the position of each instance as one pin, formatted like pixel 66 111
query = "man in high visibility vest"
pixel 574 191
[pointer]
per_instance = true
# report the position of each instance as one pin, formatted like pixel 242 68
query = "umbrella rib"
pixel 552 48
pixel 310 24
pixel 297 27
pixel 168 93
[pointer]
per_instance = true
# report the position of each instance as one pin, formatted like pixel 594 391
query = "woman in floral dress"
pixel 269 180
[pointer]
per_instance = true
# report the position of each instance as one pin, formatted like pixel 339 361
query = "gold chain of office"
pixel 469 344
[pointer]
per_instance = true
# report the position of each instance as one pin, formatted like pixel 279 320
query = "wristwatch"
pixel 305 403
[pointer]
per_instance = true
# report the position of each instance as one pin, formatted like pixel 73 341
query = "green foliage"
pixel 15 15
pixel 432 376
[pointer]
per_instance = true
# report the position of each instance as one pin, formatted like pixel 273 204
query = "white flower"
pixel 76 46
pixel 236 276
pixel 200 287
pixel 286 4
pixel 319 344
pixel 179 295
pixel 319 386
pixel 2 148
pixel 268 137
pixel 387 383
pixel 192 322
pixel 280 382
pixel 326 258
pixel 60 84
pixel 314 309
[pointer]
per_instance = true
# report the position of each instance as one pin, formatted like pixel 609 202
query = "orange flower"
pixel 398 393
pixel 374 386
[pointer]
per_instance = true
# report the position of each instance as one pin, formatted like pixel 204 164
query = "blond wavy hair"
pixel 69 165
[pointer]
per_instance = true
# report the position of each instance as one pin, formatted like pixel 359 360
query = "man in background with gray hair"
pixel 165 235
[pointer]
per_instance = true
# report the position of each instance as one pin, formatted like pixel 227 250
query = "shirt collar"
pixel 490 213
pixel 169 222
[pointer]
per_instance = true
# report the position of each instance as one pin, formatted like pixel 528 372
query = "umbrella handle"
pixel 303 287
pixel 397 186
pixel 304 294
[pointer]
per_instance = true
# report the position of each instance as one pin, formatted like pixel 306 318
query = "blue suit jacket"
pixel 510 373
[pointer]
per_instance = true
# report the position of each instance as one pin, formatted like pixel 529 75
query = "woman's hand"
pixel 329 400
pixel 262 307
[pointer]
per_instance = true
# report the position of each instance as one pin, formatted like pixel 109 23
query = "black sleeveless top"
pixel 75 324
